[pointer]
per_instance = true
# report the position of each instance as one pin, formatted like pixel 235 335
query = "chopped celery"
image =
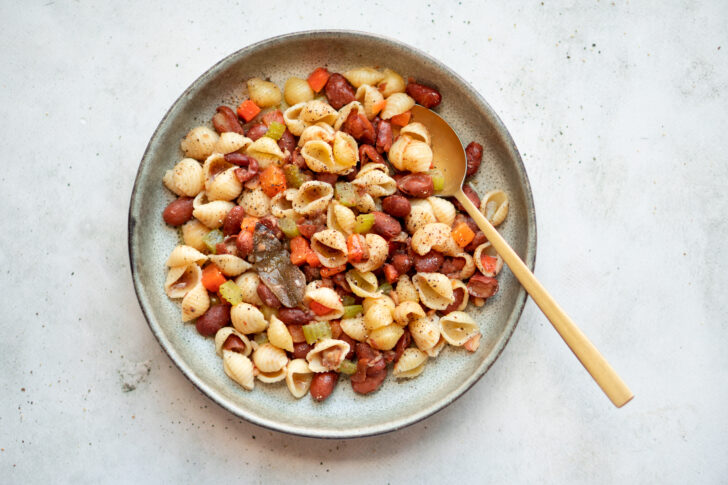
pixel 261 338
pixel 345 193
pixel 289 228
pixel 347 367
pixel 351 311
pixel 212 238
pixel 294 177
pixel 364 223
pixel 438 180
pixel 275 130
pixel 385 288
pixel 231 293
pixel 316 330
pixel 348 300
pixel 267 312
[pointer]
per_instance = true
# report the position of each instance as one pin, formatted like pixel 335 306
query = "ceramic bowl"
pixel 344 414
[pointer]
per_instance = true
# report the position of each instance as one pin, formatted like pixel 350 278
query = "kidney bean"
pixel 370 384
pixel 418 185
pixel 287 142
pixel 178 211
pixel 291 316
pixel 458 294
pixel 297 159
pixel 335 329
pixel 368 153
pixel 352 345
pixel 216 317
pixel 296 332
pixel 474 154
pixel 256 131
pixel 220 248
pixel 396 206
pixel 308 229
pixel 385 225
pixel 402 263
pixel 390 273
pixel 244 243
pixel 482 286
pixel 402 344
pixel 339 280
pixel 248 166
pixel 272 223
pixel 451 267
pixel 424 95
pixel 477 241
pixel 472 195
pixel 322 384
pixel 311 273
pixel 226 120
pixel 429 263
pixel 338 91
pixel 384 136
pixel 359 127
pixel 234 343
pixel 301 349
pixel 329 178
pixel 233 219
pixel 267 296
pixel 271 116
pixel 327 283
pixel 229 245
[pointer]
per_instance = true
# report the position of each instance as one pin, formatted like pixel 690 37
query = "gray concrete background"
pixel 619 110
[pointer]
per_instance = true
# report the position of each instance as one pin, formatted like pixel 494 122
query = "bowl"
pixel 398 403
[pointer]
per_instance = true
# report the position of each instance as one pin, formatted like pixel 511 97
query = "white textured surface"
pixel 620 112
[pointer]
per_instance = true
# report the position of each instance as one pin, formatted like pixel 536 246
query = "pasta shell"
pixel 436 349
pixel 363 75
pixel 443 209
pixel 365 204
pixel 298 377
pixel 437 236
pixel 375 182
pixel 391 83
pixel 327 355
pixel 381 299
pixel 409 154
pixel 319 156
pixel 378 252
pixel 239 368
pixel 195 302
pixel 407 312
pixel 247 319
pixel 313 197
pixel 372 100
pixel 317 111
pixel 282 204
pixel 457 327
pixel 345 111
pixel 459 284
pixel 346 152
pixel 279 335
pixel 266 151
pixel 354 327
pixel 330 245
pixel 297 90
pixel 494 206
pixel 292 119
pixel 193 233
pixel 264 93
pixel 255 202
pixel 488 260
pixel 420 215
pixel 378 315
pixel 363 285
pixel 406 290
pixel 230 142
pixel 397 104
pixel 220 180
pixel 186 178
pixel 248 284
pixel 425 332
pixel 410 364
pixel 224 333
pixel 319 131
pixel 181 279
pixel 416 131
pixel 212 213
pixel 435 290
pixel 468 268
pixel 385 338
pixel 269 359
pixel 199 142
pixel 184 255
pixel 340 218
pixel 328 298
pixel 229 264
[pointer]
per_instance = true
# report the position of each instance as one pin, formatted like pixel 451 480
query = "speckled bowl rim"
pixel 375 429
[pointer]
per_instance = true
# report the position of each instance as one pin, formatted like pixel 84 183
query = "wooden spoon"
pixel 449 157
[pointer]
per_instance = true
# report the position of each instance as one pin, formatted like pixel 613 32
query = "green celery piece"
pixel 275 130
pixel 315 331
pixel 231 293
pixel 289 227
pixel 212 238
pixel 364 223
pixel 385 288
pixel 345 193
pixel 348 300
pixel 347 367
pixel 294 177
pixel 351 311
pixel 261 338
pixel 438 180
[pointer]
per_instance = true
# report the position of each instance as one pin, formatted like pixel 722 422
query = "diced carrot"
pixel 299 250
pixel 490 263
pixel 248 110
pixel 329 272
pixel 462 234
pixel 273 180
pixel 319 309
pixel 212 277
pixel 390 273
pixel 318 79
pixel 248 224
pixel 377 107
pixel 401 119
pixel 356 246
pixel 312 259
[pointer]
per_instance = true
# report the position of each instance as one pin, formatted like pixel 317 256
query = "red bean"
pixel 338 91
pixel 297 159
pixel 301 349
pixel 472 195
pixel 359 127
pixel 291 316
pixel 402 263
pixel 233 219
pixel 244 243
pixel 458 294
pixel 256 131
pixel 429 263
pixel 368 153
pixel 287 142
pixel 477 241
pixel 424 95
pixel 418 185
pixel 482 286
pixel 384 136
pixel 329 178
pixel 267 296
pixel 216 317
pixel 234 343
pixel 339 280
pixel 248 166
pixel 311 273
pixel 178 211
pixel 474 154
pixel 402 344
pixel 272 223
pixel 385 225
pixel 351 342
pixel 396 206
pixel 451 267
pixel 370 383
pixel 225 120
pixel 322 385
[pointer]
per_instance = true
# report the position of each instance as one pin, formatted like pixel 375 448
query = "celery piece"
pixel 385 288
pixel 261 338
pixel 294 177
pixel 348 300
pixel 438 180
pixel 212 238
pixel 267 312
pixel 364 222
pixel 345 193
pixel 289 228
pixel 351 311
pixel 316 330
pixel 347 367
pixel 231 293
pixel 275 130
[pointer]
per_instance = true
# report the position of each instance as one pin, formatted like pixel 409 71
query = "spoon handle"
pixel 612 385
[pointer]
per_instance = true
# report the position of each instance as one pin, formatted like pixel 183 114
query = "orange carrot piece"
pixel 319 309
pixel 212 278
pixel 248 110
pixel 299 250
pixel 318 78
pixel 490 263
pixel 273 180
pixel 462 234
pixel 329 272
pixel 248 224
pixel 312 259
pixel 401 119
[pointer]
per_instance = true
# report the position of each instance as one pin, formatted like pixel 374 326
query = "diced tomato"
pixel 390 273
pixel 401 119
pixel 490 263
